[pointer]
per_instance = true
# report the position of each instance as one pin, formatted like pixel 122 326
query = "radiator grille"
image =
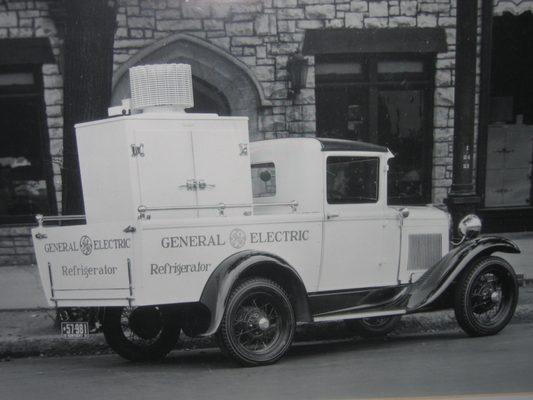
pixel 424 250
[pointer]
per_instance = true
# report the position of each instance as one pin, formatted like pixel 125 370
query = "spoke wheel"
pixel 140 333
pixel 258 324
pixel 486 297
pixel 373 327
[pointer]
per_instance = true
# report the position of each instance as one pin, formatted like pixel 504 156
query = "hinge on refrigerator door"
pixel 137 150
pixel 243 149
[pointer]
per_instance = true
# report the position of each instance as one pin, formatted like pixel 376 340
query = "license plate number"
pixel 75 330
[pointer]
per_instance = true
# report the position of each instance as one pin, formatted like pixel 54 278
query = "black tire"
pixel 141 333
pixel 485 297
pixel 373 327
pixel 258 324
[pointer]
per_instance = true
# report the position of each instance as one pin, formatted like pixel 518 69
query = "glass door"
pixel 384 99
pixel 401 127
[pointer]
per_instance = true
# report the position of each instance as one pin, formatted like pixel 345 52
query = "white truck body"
pixel 173 245
pixel 189 227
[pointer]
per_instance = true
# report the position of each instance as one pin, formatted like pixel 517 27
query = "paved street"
pixel 431 364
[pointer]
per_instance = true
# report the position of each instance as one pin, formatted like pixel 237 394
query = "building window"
pixel 352 180
pixel 264 180
pixel 509 157
pixel 26 186
pixel 383 99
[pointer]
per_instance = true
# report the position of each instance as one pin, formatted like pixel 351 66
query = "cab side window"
pixel 352 180
pixel 264 180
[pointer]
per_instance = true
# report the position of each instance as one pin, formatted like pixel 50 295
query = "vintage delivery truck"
pixel 189 227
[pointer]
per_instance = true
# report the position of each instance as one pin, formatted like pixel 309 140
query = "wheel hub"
pixel 256 319
pixel 496 296
pixel 263 323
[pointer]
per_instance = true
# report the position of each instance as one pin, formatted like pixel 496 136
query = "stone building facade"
pixel 240 49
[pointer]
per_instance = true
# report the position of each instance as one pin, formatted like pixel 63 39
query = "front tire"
pixel 140 333
pixel 486 297
pixel 373 327
pixel 258 324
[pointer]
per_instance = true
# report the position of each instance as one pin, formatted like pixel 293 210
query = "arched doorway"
pixel 222 83
pixel 208 99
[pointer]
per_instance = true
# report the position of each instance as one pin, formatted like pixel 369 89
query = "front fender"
pixel 217 288
pixel 438 278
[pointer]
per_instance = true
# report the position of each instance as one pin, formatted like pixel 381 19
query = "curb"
pixel 54 345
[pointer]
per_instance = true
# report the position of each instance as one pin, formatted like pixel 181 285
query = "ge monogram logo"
pixel 86 245
pixel 237 238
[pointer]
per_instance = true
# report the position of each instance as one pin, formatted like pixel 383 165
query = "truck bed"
pixel 164 262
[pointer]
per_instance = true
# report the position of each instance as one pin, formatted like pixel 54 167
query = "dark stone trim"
pixel 484 95
pixel 465 92
pixel 26 51
pixel 387 40
pixel 463 199
pixel 497 220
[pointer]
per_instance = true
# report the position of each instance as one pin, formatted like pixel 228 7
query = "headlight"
pixel 470 226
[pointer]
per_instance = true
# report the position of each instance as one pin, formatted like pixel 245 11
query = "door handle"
pixel 202 185
pixel 331 216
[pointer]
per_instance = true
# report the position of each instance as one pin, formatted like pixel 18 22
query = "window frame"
pixel 352 156
pixel 32 93
pixel 266 163
pixel 372 83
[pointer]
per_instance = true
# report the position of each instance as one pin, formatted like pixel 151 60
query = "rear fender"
pixel 251 263
pixel 433 284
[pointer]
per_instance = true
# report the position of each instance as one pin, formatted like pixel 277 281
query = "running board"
pixel 358 315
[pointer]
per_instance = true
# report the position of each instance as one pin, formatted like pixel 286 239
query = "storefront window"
pixel 387 100
pixel 25 176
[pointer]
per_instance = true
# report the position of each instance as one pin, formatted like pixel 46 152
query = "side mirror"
pixel 470 226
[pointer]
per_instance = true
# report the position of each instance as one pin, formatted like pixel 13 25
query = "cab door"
pixel 355 226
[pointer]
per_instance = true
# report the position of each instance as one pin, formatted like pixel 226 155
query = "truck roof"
pixel 326 144
pixel 329 144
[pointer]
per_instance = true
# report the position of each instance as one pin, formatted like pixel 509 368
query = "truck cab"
pixel 346 183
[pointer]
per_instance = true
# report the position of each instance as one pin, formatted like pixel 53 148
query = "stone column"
pixel 87 72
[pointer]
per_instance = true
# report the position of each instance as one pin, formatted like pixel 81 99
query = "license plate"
pixel 75 330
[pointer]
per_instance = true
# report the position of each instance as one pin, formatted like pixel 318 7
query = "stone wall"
pixel 15 246
pixel 263 33
pixel 260 33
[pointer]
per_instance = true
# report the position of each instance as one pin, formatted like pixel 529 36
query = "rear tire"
pixel 140 333
pixel 373 327
pixel 486 296
pixel 258 324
